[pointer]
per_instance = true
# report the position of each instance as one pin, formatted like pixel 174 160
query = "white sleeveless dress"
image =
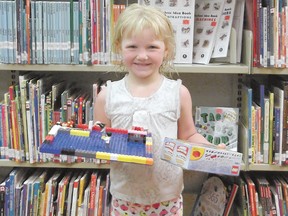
pixel 158 113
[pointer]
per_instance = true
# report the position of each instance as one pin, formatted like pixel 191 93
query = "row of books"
pixel 217 196
pixel 268 22
pixel 61 32
pixel 261 194
pixel 54 192
pixel 249 194
pixel 30 109
pixel 79 32
pixel 264 109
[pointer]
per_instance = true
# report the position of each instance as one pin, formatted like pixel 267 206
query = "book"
pixel 181 15
pixel 222 37
pixel 240 199
pixel 2 197
pixel 279 102
pixel 252 191
pixel 260 96
pixel 212 187
pixel 62 193
pixel 93 184
pixel 15 177
pixel 284 184
pixel 74 204
pixel 68 201
pixel 271 126
pixel 231 197
pixel 218 125
pixel 282 83
pixel 251 23
pixel 246 122
pixel 275 198
pixel 207 17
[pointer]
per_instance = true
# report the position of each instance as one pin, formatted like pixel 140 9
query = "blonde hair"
pixel 137 17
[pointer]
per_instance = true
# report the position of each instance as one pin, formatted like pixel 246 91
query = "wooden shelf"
pixel 266 167
pixel 224 68
pixel 8 163
pixel 267 71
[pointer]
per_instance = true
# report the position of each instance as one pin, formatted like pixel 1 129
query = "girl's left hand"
pixel 221 146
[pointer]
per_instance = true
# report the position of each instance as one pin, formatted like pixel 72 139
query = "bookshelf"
pixel 188 71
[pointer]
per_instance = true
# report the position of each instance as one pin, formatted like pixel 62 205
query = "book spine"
pixel 276 135
pixel 2 199
pixel 5 133
pixel 266 130
pixel 271 126
pixel 91 206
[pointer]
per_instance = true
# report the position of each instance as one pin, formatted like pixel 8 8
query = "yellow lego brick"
pixel 103 156
pixel 124 158
pixel 80 133
pixel 139 160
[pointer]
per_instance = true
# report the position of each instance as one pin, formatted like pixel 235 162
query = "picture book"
pixel 207 17
pixel 224 30
pixel 206 202
pixel 181 15
pixel 218 125
pixel 201 157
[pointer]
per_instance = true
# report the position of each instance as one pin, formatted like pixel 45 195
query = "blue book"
pixel 246 121
pixel 260 96
pixel 7 195
pixel 11 192
pixel 276 145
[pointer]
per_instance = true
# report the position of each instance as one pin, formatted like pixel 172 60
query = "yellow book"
pixel 82 185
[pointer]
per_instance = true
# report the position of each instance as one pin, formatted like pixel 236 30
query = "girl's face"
pixel 143 54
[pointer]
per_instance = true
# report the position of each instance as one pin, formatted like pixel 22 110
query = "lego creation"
pixel 100 142
pixel 201 157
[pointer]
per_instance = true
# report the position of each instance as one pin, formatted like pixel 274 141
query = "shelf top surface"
pixel 180 68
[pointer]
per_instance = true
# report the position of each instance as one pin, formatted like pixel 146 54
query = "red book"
pixel 230 200
pixel 93 182
pixel 252 196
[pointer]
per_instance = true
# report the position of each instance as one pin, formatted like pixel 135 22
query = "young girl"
pixel 145 97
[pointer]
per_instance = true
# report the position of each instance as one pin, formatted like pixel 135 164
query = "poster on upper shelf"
pixel 181 15
pixel 218 125
pixel 207 17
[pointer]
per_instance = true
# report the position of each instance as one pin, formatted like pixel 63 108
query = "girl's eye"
pixel 153 47
pixel 132 47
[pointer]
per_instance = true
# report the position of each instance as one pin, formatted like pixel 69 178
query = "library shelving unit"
pixel 220 69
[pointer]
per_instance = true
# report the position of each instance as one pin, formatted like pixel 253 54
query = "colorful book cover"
pixel 181 15
pixel 205 204
pixel 207 17
pixel 201 157
pixel 218 125
pixel 224 30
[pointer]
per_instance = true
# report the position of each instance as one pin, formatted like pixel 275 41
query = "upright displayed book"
pixel 224 30
pixel 207 17
pixel 245 136
pixel 218 125
pixel 181 15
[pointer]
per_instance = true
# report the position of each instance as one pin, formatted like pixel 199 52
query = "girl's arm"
pixel 186 127
pixel 99 108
